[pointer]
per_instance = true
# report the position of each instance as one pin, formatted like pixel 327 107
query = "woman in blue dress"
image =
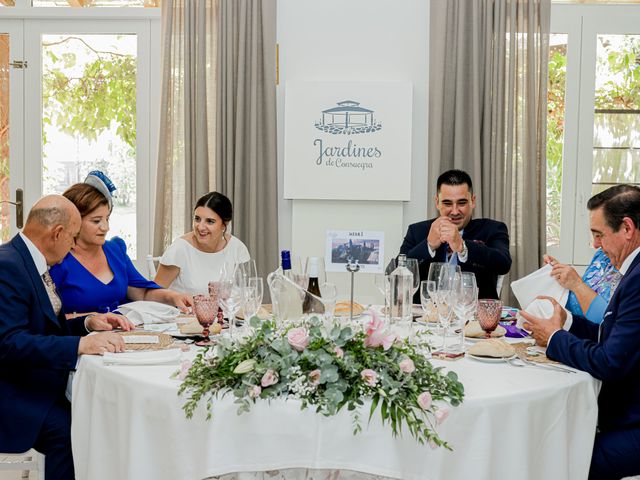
pixel 98 275
pixel 589 295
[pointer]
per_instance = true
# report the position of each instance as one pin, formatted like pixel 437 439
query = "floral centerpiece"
pixel 328 368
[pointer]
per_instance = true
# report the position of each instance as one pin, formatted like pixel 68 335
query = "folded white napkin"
pixel 149 312
pixel 154 357
pixel 537 283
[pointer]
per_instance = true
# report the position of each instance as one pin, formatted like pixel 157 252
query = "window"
pixel 593 138
pixel 82 95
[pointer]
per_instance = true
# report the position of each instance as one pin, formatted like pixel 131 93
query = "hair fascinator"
pixel 99 180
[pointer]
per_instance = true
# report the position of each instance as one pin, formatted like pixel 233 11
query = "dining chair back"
pixel 151 266
pixel 26 462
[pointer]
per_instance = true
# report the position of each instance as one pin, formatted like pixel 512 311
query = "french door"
pixel 79 100
pixel 598 49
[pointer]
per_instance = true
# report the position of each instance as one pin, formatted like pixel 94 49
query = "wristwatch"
pixel 464 252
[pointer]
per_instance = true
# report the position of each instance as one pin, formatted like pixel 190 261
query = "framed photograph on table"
pixel 365 247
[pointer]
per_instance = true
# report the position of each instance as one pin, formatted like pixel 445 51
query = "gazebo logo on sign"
pixel 348 118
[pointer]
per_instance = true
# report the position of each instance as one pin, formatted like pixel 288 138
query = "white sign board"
pixel 348 141
pixel 366 247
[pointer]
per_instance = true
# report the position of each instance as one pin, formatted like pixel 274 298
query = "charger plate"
pixel 164 341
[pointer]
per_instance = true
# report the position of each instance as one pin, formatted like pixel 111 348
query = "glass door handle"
pixel 19 207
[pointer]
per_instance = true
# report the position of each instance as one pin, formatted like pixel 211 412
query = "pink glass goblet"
pixel 206 310
pixel 489 311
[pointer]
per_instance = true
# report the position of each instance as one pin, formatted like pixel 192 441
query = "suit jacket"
pixel 613 358
pixel 37 349
pixel 488 244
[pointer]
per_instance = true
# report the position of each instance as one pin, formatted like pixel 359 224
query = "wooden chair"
pixel 26 462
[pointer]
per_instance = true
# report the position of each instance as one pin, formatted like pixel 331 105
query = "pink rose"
pixel 375 324
pixel 339 352
pixel 379 338
pixel 424 400
pixel 298 338
pixel 369 376
pixel 255 391
pixel 184 369
pixel 407 365
pixel 314 376
pixel 269 378
pixel 441 415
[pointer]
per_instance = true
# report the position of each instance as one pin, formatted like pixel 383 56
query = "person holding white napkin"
pixel 610 351
pixel 589 295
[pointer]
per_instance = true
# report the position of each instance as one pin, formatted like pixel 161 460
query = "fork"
pixel 547 366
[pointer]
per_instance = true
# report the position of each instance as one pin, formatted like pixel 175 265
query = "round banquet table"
pixel 524 423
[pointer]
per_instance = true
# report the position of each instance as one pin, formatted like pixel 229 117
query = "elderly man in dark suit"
pixel 611 351
pixel 480 245
pixel 38 345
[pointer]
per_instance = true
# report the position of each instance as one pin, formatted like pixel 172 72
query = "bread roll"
pixel 492 347
pixel 343 309
pixel 473 330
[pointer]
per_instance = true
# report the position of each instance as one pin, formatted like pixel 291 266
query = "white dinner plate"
pixel 490 359
pixel 478 339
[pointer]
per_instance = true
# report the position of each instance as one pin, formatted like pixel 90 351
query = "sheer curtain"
pixel 246 162
pixel 186 168
pixel 487 112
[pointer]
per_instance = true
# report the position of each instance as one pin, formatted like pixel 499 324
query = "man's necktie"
pixel 56 303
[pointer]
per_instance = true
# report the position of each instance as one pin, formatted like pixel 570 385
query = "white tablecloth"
pixel 515 423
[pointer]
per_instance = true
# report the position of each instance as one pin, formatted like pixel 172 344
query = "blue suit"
pixel 488 244
pixel 37 351
pixel 611 352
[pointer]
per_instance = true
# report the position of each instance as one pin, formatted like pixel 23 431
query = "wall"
pixel 354 40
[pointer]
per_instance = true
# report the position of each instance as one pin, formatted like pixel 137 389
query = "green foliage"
pixel 87 104
pixel 622 89
pixel 555 139
pixel 328 377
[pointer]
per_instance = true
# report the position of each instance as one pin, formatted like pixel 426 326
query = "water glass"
pixel 489 312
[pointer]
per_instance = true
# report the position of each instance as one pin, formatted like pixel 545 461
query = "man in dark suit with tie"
pixel 478 245
pixel 611 351
pixel 38 345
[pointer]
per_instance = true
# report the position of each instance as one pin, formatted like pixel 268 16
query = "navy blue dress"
pixel 82 292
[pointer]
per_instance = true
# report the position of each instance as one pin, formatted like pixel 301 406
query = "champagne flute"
pixel 445 299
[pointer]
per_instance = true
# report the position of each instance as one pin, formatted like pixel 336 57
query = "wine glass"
pixel 300 274
pixel 206 310
pixel 248 270
pixel 253 293
pixel 230 296
pixel 329 296
pixel 489 311
pixel 382 284
pixel 412 265
pixel 465 291
pixel 445 298
pixel 427 290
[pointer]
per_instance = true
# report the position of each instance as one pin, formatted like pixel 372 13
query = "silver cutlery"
pixel 547 366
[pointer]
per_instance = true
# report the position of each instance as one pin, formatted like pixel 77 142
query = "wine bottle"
pixel 311 304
